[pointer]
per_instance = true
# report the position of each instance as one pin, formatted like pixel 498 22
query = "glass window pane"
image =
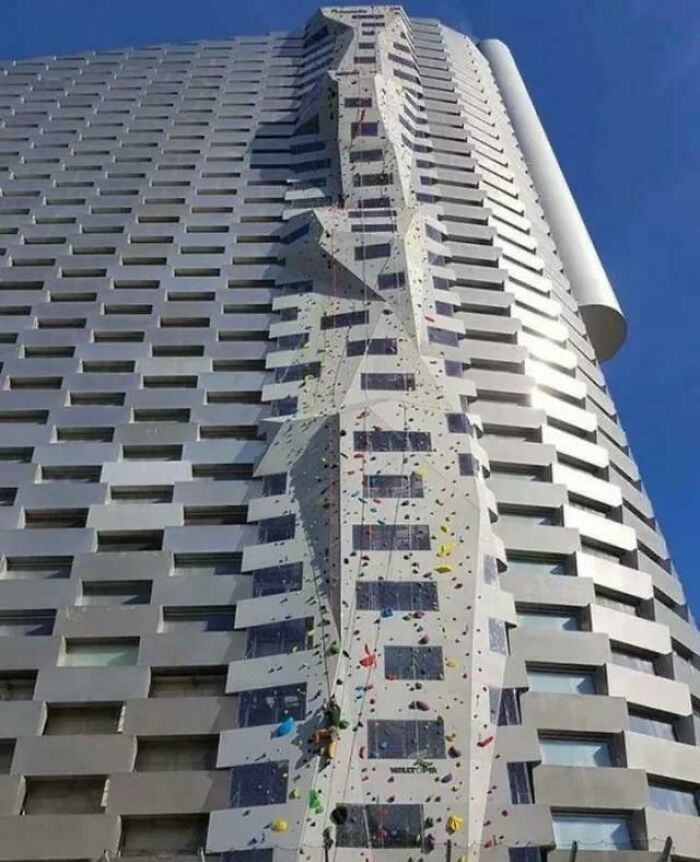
pixel 659 727
pixel 546 620
pixel 575 752
pixel 560 683
pixel 678 800
pixel 407 662
pixel 592 832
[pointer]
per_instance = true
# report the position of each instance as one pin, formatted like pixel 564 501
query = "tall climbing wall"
pixel 387 489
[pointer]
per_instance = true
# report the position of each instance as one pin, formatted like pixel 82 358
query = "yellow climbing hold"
pixel 280 826
pixel 443 569
pixel 295 793
pixel 454 823
pixel 451 662
pixel 445 550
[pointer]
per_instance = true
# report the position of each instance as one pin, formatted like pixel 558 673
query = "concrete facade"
pixel 302 399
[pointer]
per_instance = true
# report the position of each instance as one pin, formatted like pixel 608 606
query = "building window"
pixel 453 368
pixel 416 663
pixel 278 529
pixel 274 484
pixel 372 251
pixel 504 706
pixel 280 638
pixel 16 624
pixel 468 465
pixel 273 580
pixel 520 782
pixel 259 784
pixel 405 739
pixel 392 441
pixel 272 705
pixel 188 682
pixel 380 826
pixel 364 130
pixel 381 487
pixel 115 593
pixel 535 566
pixel 391 537
pixel 373 347
pixel 294 373
pixel 348 318
pixel 15 685
pixel 100 653
pixel 64 796
pixel 592 831
pixel 70 720
pixel 525 854
pixel 181 754
pixel 394 381
pixel 633 660
pixel 457 423
pixel 560 682
pixel 391 280
pixel 151 837
pixel 498 641
pixel 442 336
pixel 661 728
pixel 397 595
pixel 215 618
pixel 541 618
pixel 677 799
pixel 572 751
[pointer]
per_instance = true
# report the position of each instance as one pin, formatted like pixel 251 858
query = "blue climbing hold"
pixel 286 727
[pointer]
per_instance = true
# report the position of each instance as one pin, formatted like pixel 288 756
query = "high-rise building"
pixel 321 538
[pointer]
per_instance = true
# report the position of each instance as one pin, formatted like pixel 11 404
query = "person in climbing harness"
pixel 332 712
pixel 326 738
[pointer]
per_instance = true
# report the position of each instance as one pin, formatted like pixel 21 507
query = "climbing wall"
pixel 393 517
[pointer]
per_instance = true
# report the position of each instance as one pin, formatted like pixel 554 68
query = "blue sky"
pixel 617 85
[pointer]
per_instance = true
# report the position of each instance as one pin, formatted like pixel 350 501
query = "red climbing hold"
pixel 482 743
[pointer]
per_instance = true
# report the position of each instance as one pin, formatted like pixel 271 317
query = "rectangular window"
pixel 443 336
pixel 571 751
pixel 278 529
pixel 259 784
pixel 457 423
pixel 535 566
pixel 633 660
pixel 504 706
pixel 545 619
pixel 372 251
pixel 468 465
pixel 391 280
pixel 391 537
pixel 217 618
pixel 274 484
pixel 113 593
pixel 382 487
pixel 364 130
pixel 405 739
pixel 497 637
pixel 373 347
pixel 366 156
pixel 392 441
pixel 292 342
pixel 100 653
pixel 413 662
pixel 348 318
pixel 293 373
pixel 70 720
pixel 280 638
pixel 185 753
pixel 381 826
pixel 64 796
pixel 273 580
pixel 662 728
pixel 560 682
pixel 16 624
pixel 397 596
pixel 592 831
pixel 677 799
pixel 520 781
pixel 388 381
pixel 206 565
pixel 15 685
pixel 152 837
pixel 188 682
pixel 272 705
